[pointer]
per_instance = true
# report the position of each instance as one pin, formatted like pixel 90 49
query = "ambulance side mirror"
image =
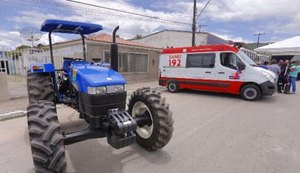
pixel 241 65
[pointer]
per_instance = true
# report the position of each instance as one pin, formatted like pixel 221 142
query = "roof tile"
pixel 108 38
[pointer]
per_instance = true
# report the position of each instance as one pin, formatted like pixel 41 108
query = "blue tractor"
pixel 98 94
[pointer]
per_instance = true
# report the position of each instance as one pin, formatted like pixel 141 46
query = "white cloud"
pixel 9 39
pixel 178 10
pixel 245 10
pixel 231 37
pixel 130 26
pixel 45 40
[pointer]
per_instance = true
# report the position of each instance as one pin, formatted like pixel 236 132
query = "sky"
pixel 236 20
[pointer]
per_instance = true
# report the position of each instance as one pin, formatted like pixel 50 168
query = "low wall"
pixel 4 95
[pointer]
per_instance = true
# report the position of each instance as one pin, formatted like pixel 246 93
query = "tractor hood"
pixel 86 75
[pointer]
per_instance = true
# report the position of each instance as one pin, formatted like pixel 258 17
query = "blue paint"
pixel 48 67
pixel 63 26
pixel 85 75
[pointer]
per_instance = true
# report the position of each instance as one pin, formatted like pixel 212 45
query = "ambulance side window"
pixel 206 60
pixel 230 60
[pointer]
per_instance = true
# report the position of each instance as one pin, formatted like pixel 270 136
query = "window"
pixel 2 66
pixel 230 60
pixel 201 60
pixel 130 62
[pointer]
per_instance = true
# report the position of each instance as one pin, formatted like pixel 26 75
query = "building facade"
pixel 175 38
pixel 137 62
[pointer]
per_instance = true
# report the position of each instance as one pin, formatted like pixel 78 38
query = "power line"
pixel 86 8
pixel 128 12
pixel 203 9
pixel 258 37
pixel 200 26
pixel 196 18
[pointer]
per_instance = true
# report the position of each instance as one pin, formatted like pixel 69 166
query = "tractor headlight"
pixel 115 88
pixel 97 90
pixel 107 89
pixel 119 88
pixel 100 90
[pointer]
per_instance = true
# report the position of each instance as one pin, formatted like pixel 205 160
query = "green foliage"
pixel 22 47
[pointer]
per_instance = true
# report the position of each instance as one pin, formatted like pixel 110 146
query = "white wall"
pixel 173 38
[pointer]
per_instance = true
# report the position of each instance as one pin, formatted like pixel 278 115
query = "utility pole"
pixel 196 18
pixel 258 37
pixel 194 24
pixel 200 26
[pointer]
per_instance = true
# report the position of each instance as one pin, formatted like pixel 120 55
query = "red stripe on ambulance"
pixel 205 48
pixel 232 87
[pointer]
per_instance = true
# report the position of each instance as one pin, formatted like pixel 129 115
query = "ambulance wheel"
pixel 173 86
pixel 39 86
pixel 46 140
pixel 157 132
pixel 250 92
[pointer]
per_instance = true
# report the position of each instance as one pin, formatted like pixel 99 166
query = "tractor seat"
pixel 79 63
pixel 66 65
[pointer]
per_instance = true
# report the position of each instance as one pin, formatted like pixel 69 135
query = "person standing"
pixel 280 77
pixel 294 70
pixel 284 78
pixel 265 65
pixel 274 67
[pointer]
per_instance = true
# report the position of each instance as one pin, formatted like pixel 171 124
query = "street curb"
pixel 21 113
pixel 11 115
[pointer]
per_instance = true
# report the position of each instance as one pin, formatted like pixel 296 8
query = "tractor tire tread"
pixel 45 138
pixel 39 86
pixel 162 117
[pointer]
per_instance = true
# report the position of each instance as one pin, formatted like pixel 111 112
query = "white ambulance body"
pixel 216 68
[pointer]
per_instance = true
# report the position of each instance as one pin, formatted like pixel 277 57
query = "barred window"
pixel 130 62
pixel 2 66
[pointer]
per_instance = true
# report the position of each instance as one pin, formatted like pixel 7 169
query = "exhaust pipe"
pixel 114 52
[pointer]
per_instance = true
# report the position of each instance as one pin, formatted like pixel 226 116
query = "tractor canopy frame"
pixel 61 26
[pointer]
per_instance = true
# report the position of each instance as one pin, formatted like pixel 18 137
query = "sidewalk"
pixel 16 107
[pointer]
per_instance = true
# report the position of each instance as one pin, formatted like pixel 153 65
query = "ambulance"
pixel 216 68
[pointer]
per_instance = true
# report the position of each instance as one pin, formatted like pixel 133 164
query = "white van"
pixel 216 68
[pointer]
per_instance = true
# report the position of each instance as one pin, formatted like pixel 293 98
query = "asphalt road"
pixel 212 133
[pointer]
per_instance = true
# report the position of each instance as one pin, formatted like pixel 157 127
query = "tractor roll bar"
pixel 51 48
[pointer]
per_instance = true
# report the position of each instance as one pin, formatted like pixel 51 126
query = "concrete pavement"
pixel 215 133
pixel 16 107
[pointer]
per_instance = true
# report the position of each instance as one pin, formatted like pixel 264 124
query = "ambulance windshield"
pixel 246 58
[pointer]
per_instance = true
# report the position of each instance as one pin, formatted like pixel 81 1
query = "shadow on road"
pixel 266 99
pixel 97 156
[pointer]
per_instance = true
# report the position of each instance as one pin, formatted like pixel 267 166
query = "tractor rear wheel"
pixel 40 87
pixel 158 132
pixel 46 140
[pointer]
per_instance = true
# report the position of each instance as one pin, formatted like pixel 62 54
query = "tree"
pixel 138 36
pixel 40 45
pixel 22 47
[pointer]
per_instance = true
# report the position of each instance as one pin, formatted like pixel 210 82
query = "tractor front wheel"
pixel 158 131
pixel 46 140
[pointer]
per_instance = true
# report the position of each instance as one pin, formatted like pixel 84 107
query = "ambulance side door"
pixel 200 69
pixel 200 65
pixel 227 72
